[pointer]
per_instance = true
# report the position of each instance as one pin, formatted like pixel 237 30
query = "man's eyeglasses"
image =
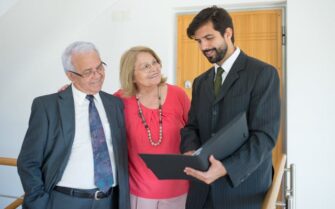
pixel 89 72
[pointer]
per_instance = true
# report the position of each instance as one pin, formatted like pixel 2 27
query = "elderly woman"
pixel 154 113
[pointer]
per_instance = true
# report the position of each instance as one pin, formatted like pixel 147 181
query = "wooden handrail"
pixel 11 162
pixel 272 194
pixel 18 202
pixel 8 161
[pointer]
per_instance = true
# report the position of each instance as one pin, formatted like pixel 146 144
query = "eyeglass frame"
pixel 89 72
pixel 147 67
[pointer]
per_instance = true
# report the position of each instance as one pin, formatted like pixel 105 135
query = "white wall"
pixel 311 100
pixel 5 5
pixel 33 34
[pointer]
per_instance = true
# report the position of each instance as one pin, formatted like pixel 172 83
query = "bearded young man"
pixel 236 83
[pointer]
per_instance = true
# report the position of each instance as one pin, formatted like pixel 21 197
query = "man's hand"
pixel 215 171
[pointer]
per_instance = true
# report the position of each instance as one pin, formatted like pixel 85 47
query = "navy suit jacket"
pixel 252 87
pixel 47 145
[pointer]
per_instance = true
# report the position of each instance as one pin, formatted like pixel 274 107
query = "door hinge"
pixel 283 36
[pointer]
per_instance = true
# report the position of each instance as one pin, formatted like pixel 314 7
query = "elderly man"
pixel 74 154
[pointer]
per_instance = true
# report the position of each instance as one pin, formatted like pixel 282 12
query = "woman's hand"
pixel 63 88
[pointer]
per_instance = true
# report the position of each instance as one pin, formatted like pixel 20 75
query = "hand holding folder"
pixel 224 143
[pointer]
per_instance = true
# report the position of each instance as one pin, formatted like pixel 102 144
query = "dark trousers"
pixel 209 202
pixel 58 200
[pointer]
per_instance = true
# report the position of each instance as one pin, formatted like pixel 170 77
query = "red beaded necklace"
pixel 144 122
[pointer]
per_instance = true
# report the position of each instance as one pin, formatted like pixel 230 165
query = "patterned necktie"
pixel 103 174
pixel 218 81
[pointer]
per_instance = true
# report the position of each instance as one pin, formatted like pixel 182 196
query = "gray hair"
pixel 76 47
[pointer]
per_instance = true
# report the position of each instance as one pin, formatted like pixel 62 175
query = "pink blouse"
pixel 143 182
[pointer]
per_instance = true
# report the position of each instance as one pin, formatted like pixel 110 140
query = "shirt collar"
pixel 229 62
pixel 80 96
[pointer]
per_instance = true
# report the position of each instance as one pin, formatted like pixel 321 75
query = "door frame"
pixel 281 5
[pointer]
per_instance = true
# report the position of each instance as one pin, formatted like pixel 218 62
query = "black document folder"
pixel 224 143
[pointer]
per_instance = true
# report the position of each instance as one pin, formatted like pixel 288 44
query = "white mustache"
pixel 96 82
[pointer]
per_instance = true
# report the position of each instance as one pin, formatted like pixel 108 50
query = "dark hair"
pixel 218 16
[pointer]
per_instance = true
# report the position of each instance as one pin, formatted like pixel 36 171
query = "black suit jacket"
pixel 47 145
pixel 252 87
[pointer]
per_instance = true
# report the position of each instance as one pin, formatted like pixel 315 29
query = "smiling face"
pixel 147 71
pixel 87 62
pixel 212 44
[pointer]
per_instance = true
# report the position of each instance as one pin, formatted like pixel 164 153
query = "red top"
pixel 143 182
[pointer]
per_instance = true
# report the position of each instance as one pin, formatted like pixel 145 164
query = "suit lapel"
pixel 209 84
pixel 67 114
pixel 113 125
pixel 110 112
pixel 233 75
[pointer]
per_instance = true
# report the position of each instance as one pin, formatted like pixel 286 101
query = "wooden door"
pixel 258 33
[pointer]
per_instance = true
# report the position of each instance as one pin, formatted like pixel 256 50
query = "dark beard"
pixel 220 54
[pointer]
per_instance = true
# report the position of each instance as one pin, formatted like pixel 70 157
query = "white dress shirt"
pixel 226 66
pixel 79 171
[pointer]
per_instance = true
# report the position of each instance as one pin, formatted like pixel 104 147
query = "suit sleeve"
pixel 190 133
pixel 185 101
pixel 263 120
pixel 30 159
